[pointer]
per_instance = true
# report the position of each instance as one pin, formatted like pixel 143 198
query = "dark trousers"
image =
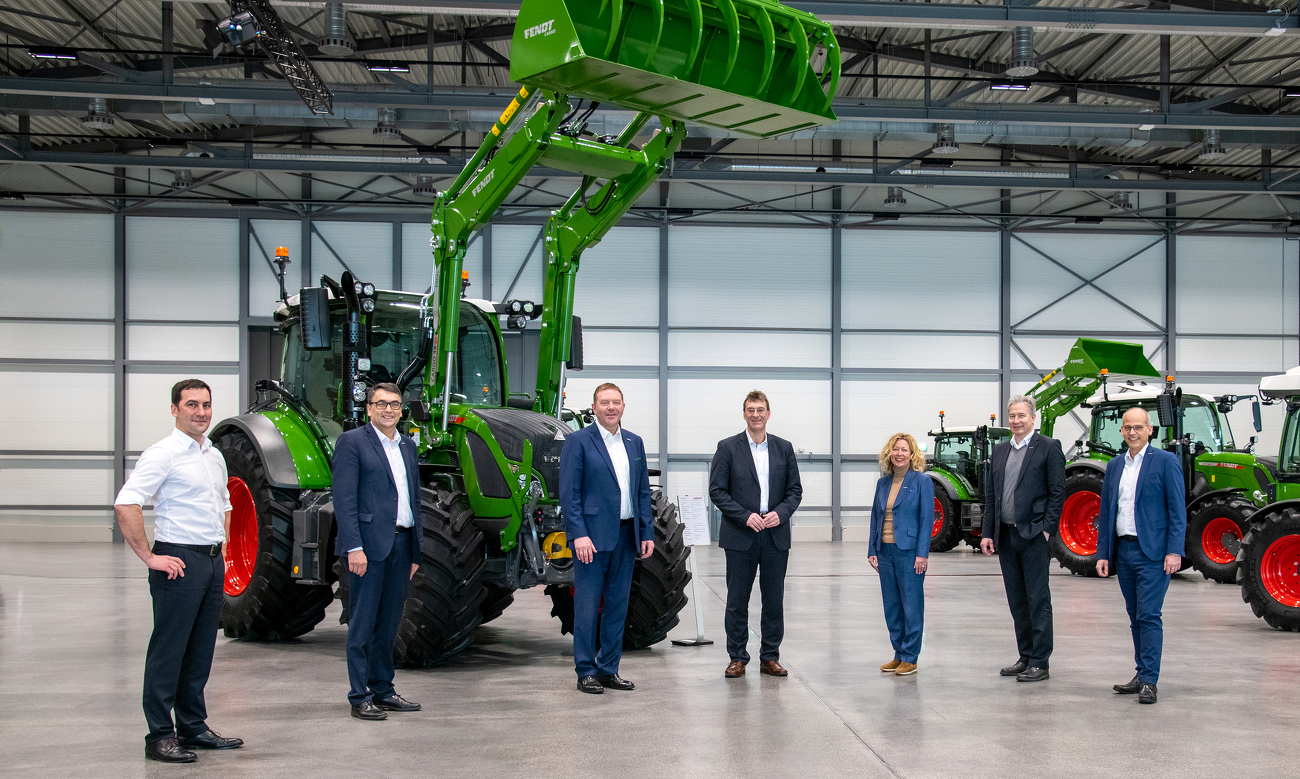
pixel 1143 582
pixel 375 603
pixel 600 594
pixel 186 614
pixel 903 591
pixel 1024 574
pixel 764 559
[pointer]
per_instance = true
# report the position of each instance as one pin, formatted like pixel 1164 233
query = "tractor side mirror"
pixel 1155 432
pixel 1165 408
pixel 314 311
pixel 1254 412
pixel 575 346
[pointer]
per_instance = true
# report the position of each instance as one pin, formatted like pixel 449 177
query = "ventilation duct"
pixel 184 179
pixel 944 143
pixel 335 42
pixel 894 198
pixel 1022 63
pixel 1212 146
pixel 424 186
pixel 98 117
pixel 387 128
pixel 1120 201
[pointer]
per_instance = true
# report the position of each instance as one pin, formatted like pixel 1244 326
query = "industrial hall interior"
pixel 714 388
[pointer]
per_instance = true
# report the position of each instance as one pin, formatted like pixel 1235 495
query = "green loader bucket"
pixel 740 65
pixel 1088 357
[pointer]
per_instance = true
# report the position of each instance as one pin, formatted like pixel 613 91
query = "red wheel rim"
pixel 1212 539
pixel 938 518
pixel 1079 523
pixel 241 552
pixel 1280 570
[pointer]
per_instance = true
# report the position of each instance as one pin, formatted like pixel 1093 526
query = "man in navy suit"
pixel 605 500
pixel 754 482
pixel 1143 524
pixel 377 512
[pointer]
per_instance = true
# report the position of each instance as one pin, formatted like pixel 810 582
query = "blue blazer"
pixel 589 495
pixel 913 513
pixel 365 494
pixel 1159 509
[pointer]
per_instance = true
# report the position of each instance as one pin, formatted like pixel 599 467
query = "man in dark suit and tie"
pixel 1141 535
pixel 1022 508
pixel 377 512
pixel 754 482
pixel 605 501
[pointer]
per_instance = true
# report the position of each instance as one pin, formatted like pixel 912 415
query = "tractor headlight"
pixel 359 392
pixel 528 306
pixel 368 290
pixel 368 305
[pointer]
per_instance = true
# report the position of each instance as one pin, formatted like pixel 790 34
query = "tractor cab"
pixel 1207 429
pixel 956 451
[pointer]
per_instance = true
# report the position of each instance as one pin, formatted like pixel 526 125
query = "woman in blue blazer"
pixel 902 516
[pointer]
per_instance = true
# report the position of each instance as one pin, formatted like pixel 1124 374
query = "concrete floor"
pixel 75 621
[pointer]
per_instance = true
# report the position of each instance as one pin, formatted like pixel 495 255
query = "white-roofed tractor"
pixel 489 460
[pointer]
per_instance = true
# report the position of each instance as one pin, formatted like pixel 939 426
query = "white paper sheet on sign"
pixel 694 513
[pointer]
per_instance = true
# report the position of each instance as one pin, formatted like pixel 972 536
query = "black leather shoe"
pixel 1014 670
pixel 1148 693
pixel 1132 688
pixel 369 711
pixel 209 740
pixel 168 751
pixel 590 685
pixel 396 702
pixel 1032 675
pixel 615 682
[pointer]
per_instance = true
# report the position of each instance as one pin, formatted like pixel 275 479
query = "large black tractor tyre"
pixel 495 601
pixel 1214 534
pixel 1075 544
pixel 262 601
pixel 946 530
pixel 1268 567
pixel 447 593
pixel 972 539
pixel 658 584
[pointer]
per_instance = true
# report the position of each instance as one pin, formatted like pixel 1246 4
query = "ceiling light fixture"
pixel 389 67
pixel 894 198
pixel 944 141
pixel 1211 146
pixel 335 42
pixel 1146 128
pixel 1018 86
pixel 52 53
pixel 1022 63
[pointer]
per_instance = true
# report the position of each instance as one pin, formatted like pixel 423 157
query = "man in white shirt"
pixel 754 482
pixel 605 502
pixel 376 483
pixel 185 479
pixel 1140 536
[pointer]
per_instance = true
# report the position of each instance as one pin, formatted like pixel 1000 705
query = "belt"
pixel 1127 538
pixel 211 550
pixel 401 529
pixel 625 521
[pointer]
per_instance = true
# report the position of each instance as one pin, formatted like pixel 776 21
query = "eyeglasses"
pixel 1133 428
pixel 381 405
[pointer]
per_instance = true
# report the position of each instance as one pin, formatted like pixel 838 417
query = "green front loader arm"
pixel 580 224
pixel 1090 365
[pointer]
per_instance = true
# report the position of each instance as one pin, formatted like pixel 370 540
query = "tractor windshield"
pixel 1200 422
pixel 1288 459
pixel 955 452
pixel 476 375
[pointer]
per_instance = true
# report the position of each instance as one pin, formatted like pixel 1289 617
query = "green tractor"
pixel 1268 560
pixel 489 460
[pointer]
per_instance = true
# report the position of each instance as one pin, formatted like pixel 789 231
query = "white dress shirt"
pixel 759 452
pixel 1125 517
pixel 186 482
pixel 1022 443
pixel 622 468
pixel 397 466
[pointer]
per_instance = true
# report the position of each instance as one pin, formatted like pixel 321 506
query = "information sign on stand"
pixel 693 511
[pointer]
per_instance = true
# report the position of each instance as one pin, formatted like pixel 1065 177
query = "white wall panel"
pixel 185 269
pixel 511 245
pixel 874 410
pixel 148 403
pixel 686 479
pixel 906 279
pixel 816 480
pixel 57 482
pixel 90 394
pixel 183 343
pixel 704 411
pixel 1036 282
pixel 1236 284
pixel 1050 352
pixel 264 236
pixel 640 398
pixel 365 247
pixel 892 350
pixel 732 276
pixel 56 341
pixel 56 265
pixel 618 281
pixel 417 260
pixel 741 349
pixel 620 347
pixel 858 488
pixel 1266 355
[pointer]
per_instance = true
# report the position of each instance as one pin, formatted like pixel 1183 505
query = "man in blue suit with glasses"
pixel 605 500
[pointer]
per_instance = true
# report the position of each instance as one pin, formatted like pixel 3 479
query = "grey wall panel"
pixel 183 343
pixel 417 260
pixel 264 236
pixel 56 265
pixel 1052 292
pixel 91 394
pixel 1262 355
pixel 640 396
pixel 619 347
pixel 618 283
pixel 56 341
pixel 182 269
pixel 1236 285
pixel 516 247
pixel 365 248
pixel 749 349
pixel 66 481
pixel 916 351
pixel 706 410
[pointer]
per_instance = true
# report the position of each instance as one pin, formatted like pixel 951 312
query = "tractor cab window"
pixel 476 371
pixel 1201 423
pixel 1288 460
pixel 1106 422
pixel 956 453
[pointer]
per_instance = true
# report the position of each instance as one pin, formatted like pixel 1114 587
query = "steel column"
pixel 663 332
pixel 1171 280
pixel 119 354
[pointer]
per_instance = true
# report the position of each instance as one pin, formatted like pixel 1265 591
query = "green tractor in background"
pixel 489 460
pixel 1268 560
pixel 959 466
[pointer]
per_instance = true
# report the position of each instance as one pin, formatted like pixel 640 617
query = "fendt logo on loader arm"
pixel 545 28
pixel 486 180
